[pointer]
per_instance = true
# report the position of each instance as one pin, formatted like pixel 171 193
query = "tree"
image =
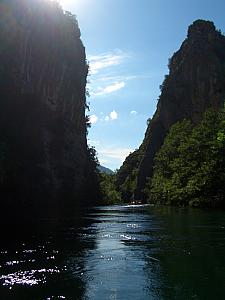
pixel 189 168
pixel 109 194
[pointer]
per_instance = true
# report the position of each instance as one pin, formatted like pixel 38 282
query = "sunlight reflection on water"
pixel 31 277
pixel 119 252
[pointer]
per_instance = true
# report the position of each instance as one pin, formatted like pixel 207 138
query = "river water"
pixel 117 252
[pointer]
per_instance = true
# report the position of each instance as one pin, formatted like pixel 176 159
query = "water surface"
pixel 117 252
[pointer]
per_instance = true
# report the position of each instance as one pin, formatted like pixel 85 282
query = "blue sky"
pixel 128 44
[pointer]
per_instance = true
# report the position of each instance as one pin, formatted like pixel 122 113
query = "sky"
pixel 128 44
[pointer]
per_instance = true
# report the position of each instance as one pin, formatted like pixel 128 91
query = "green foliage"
pixel 190 166
pixel 126 176
pixel 109 194
pixel 91 184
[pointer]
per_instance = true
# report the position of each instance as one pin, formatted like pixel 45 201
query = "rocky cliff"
pixel 43 147
pixel 196 81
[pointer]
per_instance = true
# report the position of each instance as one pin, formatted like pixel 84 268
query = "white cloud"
pixel 93 119
pixel 116 78
pixel 113 115
pixel 133 112
pixel 108 89
pixel 114 87
pixel 114 153
pixel 105 72
pixel 108 72
pixel 105 60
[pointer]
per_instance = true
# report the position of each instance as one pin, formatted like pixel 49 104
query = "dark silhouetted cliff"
pixel 44 158
pixel 196 81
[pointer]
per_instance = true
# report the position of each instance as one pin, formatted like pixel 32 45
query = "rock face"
pixel 43 146
pixel 196 81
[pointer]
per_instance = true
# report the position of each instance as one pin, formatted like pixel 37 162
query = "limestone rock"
pixel 42 108
pixel 196 81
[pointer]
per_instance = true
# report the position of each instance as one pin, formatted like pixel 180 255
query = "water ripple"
pixel 30 278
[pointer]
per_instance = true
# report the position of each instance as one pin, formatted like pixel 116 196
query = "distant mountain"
pixel 105 170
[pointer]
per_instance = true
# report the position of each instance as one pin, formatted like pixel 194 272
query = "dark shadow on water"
pixel 190 251
pixel 44 259
pixel 116 252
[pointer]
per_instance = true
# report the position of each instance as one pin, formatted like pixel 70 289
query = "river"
pixel 117 252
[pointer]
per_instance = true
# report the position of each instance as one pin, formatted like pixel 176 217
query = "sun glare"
pixel 68 3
